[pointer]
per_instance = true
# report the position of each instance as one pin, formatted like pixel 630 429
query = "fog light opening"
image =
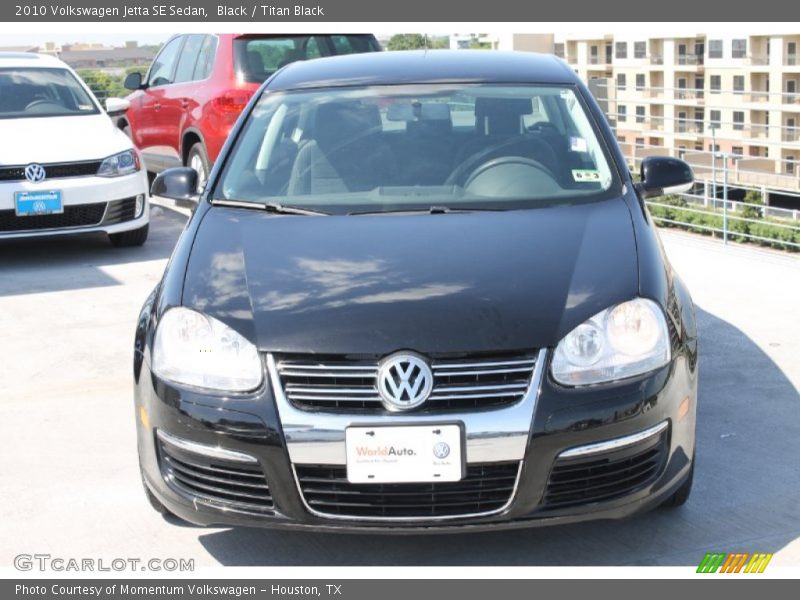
pixel 139 205
pixel 683 408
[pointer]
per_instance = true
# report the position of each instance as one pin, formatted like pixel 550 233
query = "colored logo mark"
pixel 736 562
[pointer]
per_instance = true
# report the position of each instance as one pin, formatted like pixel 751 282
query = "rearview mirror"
pixel 179 183
pixel 664 175
pixel 117 105
pixel 133 81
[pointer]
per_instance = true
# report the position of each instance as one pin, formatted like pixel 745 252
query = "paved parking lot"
pixel 71 486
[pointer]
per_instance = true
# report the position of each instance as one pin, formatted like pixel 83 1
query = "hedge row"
pixel 696 222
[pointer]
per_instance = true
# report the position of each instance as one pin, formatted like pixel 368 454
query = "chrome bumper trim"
pixel 492 434
pixel 204 450
pixel 614 444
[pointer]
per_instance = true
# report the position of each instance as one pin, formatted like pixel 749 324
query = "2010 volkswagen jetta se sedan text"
pixel 420 292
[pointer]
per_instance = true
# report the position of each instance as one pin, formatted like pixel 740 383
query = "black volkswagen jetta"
pixel 421 291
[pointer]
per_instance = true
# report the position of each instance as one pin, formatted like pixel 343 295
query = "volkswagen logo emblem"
pixel 35 173
pixel 404 381
pixel 441 450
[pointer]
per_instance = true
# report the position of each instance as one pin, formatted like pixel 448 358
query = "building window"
pixel 639 49
pixel 713 147
pixel 558 49
pixel 621 49
pixel 791 53
pixel 698 147
pixel 621 139
pixel 738 84
pixel 640 142
pixel 737 151
pixel 622 113
pixel 789 165
pixel 714 48
pixel 715 83
pixel 640 81
pixel 640 114
pixel 738 120
pixel 739 48
pixel 714 118
pixel 621 82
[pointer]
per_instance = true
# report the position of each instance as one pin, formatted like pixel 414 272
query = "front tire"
pixel 135 237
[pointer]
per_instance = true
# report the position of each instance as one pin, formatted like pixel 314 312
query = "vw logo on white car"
pixel 404 381
pixel 35 173
pixel 441 450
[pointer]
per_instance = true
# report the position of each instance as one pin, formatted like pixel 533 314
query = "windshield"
pixel 413 147
pixel 42 93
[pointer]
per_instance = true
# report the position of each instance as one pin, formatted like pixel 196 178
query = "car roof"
pixel 424 66
pixel 29 59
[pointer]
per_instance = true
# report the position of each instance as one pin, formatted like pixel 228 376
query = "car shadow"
pixel 30 266
pixel 746 487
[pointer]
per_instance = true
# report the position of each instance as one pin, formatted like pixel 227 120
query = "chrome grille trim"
pixel 514 379
pixel 495 434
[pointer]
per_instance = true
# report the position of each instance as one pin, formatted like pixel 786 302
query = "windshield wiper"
pixel 273 207
pixel 434 210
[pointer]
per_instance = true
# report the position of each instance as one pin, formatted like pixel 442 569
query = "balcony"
pixel 599 60
pixel 688 127
pixel 688 94
pixel 791 135
pixel 790 60
pixel 654 93
pixel 791 98
pixel 757 96
pixel 757 132
pixel 689 59
pixel 656 59
pixel 656 124
pixel 757 60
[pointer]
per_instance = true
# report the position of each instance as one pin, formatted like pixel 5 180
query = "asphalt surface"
pixel 70 485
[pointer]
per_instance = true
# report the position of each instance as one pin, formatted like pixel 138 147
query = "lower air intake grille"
pixel 485 489
pixel 602 477
pixel 220 483
pixel 77 215
pixel 120 211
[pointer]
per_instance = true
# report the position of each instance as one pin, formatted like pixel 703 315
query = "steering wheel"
pixel 506 160
pixel 42 102
pixel 477 160
pixel 542 126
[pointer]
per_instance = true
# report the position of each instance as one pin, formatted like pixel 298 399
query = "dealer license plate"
pixel 29 204
pixel 404 454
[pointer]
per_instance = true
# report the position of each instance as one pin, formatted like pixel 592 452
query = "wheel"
pixel 135 237
pixel 197 159
pixel 681 495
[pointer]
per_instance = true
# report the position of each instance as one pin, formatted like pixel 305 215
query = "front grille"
pixel 53 170
pixel 602 477
pixel 219 483
pixel 485 489
pixel 77 215
pixel 120 211
pixel 350 385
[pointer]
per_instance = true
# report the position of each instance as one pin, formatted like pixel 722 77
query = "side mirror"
pixel 664 175
pixel 179 183
pixel 117 105
pixel 133 81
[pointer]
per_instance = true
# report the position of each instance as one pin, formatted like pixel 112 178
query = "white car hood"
pixel 59 139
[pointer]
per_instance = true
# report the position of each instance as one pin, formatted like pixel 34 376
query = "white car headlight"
pixel 194 349
pixel 123 163
pixel 622 341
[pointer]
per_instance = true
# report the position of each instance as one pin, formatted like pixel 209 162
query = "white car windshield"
pixel 42 92
pixel 390 148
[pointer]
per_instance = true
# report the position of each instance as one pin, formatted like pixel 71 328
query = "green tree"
pixel 407 41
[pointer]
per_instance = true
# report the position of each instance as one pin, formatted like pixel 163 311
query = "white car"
pixel 64 167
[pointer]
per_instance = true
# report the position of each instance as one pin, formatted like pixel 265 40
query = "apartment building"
pixel 693 93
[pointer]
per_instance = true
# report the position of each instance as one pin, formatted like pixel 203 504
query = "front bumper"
pixel 552 433
pixel 98 204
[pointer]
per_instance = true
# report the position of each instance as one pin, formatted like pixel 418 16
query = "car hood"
pixel 60 139
pixel 441 283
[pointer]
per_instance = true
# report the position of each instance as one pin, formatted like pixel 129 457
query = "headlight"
pixel 195 349
pixel 622 341
pixel 123 163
